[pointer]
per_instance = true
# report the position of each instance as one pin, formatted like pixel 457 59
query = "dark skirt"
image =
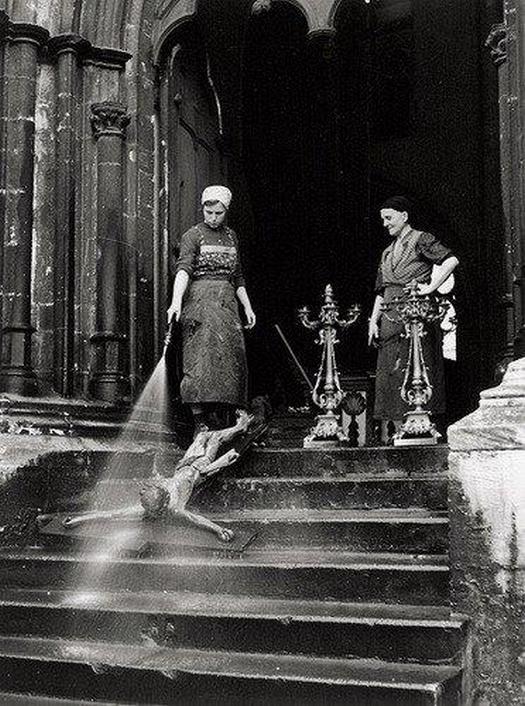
pixel 392 360
pixel 213 351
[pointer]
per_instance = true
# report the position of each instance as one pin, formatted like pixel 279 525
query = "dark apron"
pixel 213 350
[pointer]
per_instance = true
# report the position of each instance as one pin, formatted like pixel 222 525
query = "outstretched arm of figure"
pixel 128 513
pixel 373 322
pixel 242 296
pixel 179 287
pixel 439 275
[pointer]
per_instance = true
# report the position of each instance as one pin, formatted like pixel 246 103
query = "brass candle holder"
pixel 327 393
pixel 414 311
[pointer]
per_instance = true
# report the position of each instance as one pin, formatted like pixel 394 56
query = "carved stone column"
pixel 24 42
pixel 512 48
pixel 66 49
pixel 497 43
pixel 4 27
pixel 109 373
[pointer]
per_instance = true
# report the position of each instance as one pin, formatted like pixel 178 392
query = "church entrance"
pixel 398 100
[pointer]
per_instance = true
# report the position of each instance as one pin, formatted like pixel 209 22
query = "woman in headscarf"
pixel 208 281
pixel 411 256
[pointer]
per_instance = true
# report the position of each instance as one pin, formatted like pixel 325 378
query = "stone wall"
pixel 487 538
pixel 49 345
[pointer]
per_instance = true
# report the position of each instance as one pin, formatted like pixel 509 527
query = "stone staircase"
pixel 341 597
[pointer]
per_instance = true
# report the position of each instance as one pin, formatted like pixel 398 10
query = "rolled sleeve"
pixel 189 248
pixel 431 249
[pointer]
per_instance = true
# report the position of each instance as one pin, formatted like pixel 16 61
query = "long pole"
pixel 294 357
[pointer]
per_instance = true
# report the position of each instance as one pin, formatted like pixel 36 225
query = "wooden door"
pixel 194 152
pixel 189 157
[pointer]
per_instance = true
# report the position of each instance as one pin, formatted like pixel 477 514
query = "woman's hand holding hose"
pixel 179 287
pixel 174 312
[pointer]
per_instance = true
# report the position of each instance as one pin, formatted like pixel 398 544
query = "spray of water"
pixel 104 541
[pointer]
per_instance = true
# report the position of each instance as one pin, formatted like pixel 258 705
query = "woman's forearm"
pixel 376 310
pixel 179 287
pixel 440 274
pixel 242 296
pixel 373 322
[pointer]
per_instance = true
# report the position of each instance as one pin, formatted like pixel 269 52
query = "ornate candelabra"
pixel 327 393
pixel 414 310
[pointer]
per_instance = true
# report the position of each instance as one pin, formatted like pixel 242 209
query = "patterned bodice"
pixel 217 256
pixel 206 253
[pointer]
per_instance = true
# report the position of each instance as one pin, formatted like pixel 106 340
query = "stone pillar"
pixel 109 373
pixel 487 539
pixel 24 42
pixel 4 27
pixel 512 47
pixel 66 49
pixel 512 207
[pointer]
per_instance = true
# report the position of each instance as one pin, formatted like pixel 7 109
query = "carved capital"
pixel 109 118
pixel 497 43
pixel 28 33
pixel 108 58
pixel 74 43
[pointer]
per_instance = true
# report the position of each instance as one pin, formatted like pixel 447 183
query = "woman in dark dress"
pixel 208 283
pixel 409 257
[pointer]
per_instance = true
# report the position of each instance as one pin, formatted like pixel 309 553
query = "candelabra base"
pixel 417 430
pixel 327 433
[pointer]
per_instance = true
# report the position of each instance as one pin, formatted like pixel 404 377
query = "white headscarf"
pixel 217 193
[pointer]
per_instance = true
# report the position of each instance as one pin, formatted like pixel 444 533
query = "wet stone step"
pixel 237 623
pixel 162 675
pixel 224 493
pixel 310 574
pixel 339 462
pixel 69 479
pixel 351 530
pixel 58 477
pixel 407 530
pixel 355 491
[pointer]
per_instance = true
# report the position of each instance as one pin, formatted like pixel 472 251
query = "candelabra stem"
pixel 327 393
pixel 414 311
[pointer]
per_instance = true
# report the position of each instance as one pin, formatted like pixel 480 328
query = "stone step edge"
pixel 401 516
pixel 222 605
pixel 271 559
pixel 243 665
pixel 336 479
pixel 265 516
pixel 349 450
pixel 18 699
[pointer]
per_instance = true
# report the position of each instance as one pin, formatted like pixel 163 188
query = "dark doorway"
pixel 399 100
